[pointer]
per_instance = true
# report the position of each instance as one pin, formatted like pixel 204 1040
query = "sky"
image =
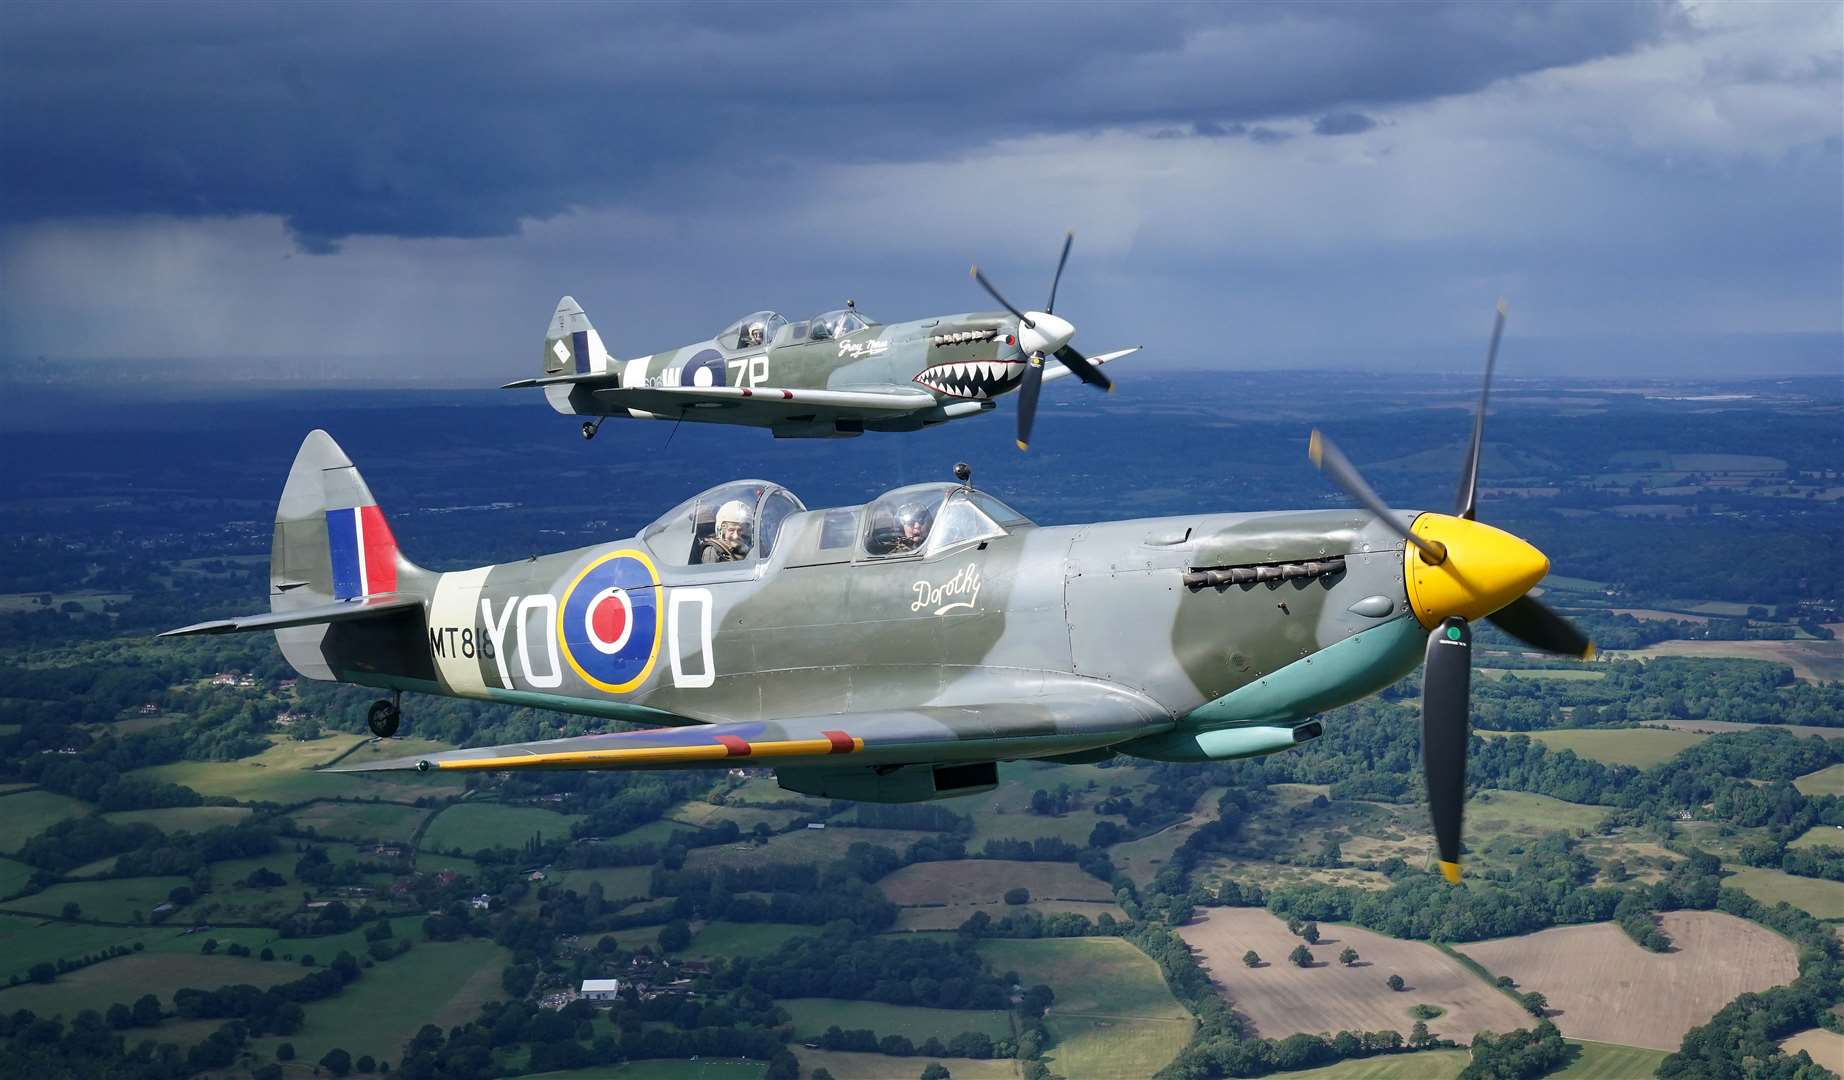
pixel 1657 188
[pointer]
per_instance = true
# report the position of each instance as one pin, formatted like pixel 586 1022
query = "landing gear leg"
pixel 385 715
pixel 590 427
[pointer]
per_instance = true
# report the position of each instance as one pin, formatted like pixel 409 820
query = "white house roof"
pixel 607 985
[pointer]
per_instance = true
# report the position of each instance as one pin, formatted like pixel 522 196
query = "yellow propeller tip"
pixel 1450 871
pixel 1589 652
pixel 1022 445
pixel 973 271
pixel 1314 450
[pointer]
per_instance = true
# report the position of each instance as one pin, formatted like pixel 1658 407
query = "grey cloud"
pixel 460 120
pixel 1344 123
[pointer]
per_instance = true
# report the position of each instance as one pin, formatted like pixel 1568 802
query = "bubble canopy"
pixel 928 518
pixel 734 522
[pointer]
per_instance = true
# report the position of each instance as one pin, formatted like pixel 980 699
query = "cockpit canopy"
pixel 730 523
pixel 932 518
pixel 753 331
pixel 837 324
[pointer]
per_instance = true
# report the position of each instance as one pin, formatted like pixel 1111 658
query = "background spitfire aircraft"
pixel 838 374
pixel 898 650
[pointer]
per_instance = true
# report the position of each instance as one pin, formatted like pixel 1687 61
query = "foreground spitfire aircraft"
pixel 836 375
pixel 896 651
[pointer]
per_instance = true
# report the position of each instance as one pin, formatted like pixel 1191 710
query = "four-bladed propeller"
pixel 1040 334
pixel 1459 570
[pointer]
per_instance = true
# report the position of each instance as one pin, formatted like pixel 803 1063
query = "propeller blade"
pixel 1068 239
pixel 1003 302
pixel 1468 502
pixel 1084 370
pixel 1331 461
pixel 1532 622
pixel 1446 684
pixel 1027 399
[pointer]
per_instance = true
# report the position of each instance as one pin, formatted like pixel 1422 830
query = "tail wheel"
pixel 589 429
pixel 384 718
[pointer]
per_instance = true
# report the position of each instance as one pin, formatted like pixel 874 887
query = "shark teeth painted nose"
pixel 1484 570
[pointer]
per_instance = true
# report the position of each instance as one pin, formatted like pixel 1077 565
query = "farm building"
pixel 601 989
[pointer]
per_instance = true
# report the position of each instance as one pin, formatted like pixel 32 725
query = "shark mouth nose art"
pixel 973 378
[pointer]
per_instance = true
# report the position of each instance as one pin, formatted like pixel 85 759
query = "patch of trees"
pixel 1521 1055
pixel 1042 849
pixel 922 816
pixel 967 1044
pixel 844 963
pixel 796 892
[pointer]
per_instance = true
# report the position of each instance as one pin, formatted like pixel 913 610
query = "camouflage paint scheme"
pixel 836 375
pixel 855 675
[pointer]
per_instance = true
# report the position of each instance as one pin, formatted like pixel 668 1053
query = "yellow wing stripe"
pixel 656 755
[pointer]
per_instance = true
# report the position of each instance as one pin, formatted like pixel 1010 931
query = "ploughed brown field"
pixel 1281 999
pixel 1603 987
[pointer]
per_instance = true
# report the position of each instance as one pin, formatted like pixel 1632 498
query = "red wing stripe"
pixel 748 392
pixel 737 747
pixel 787 395
pixel 841 742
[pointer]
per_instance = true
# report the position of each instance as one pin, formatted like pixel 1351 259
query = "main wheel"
pixel 383 718
pixel 588 430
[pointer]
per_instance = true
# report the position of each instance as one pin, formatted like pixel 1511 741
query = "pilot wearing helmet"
pixel 732 536
pixel 912 522
pixel 755 335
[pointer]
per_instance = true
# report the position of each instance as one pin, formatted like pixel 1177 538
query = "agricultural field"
pixel 1605 1061
pixel 25 814
pixel 1424 1065
pixel 1645 860
pixel 182 818
pixel 731 940
pixel 381 821
pixel 14 876
pixel 1659 996
pixel 848 1066
pixel 1826 781
pixel 472 826
pixel 126 978
pixel 1820 836
pixel 441 983
pixel 1641 748
pixel 25 941
pixel 1719 727
pixel 1552 674
pixel 984 881
pixel 922 919
pixel 812 1016
pixel 1811 661
pixel 1141 859
pixel 1282 999
pixel 703 815
pixel 701 1069
pixel 801 845
pixel 285 774
pixel 618 882
pixel 1826 1047
pixel 1113 1015
pixel 117 900
pixel 1823 899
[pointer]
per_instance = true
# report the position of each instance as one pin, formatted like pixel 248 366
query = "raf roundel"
pixel 609 621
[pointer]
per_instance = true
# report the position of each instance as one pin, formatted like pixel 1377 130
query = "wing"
pixel 1034 727
pixel 1054 369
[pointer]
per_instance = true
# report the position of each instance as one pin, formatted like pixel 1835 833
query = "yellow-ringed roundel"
pixel 609 621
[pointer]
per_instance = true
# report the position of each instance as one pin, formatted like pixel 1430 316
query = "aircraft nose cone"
pixel 1485 569
pixel 1048 335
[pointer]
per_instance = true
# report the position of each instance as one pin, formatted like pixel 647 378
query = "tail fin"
pixel 343 601
pixel 331 539
pixel 571 345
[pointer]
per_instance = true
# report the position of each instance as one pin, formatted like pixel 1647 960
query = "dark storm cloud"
pixel 457 120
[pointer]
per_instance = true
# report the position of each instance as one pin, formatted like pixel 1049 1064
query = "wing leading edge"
pixel 1037 727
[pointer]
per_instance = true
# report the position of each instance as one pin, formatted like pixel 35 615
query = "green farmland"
pixel 472 826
